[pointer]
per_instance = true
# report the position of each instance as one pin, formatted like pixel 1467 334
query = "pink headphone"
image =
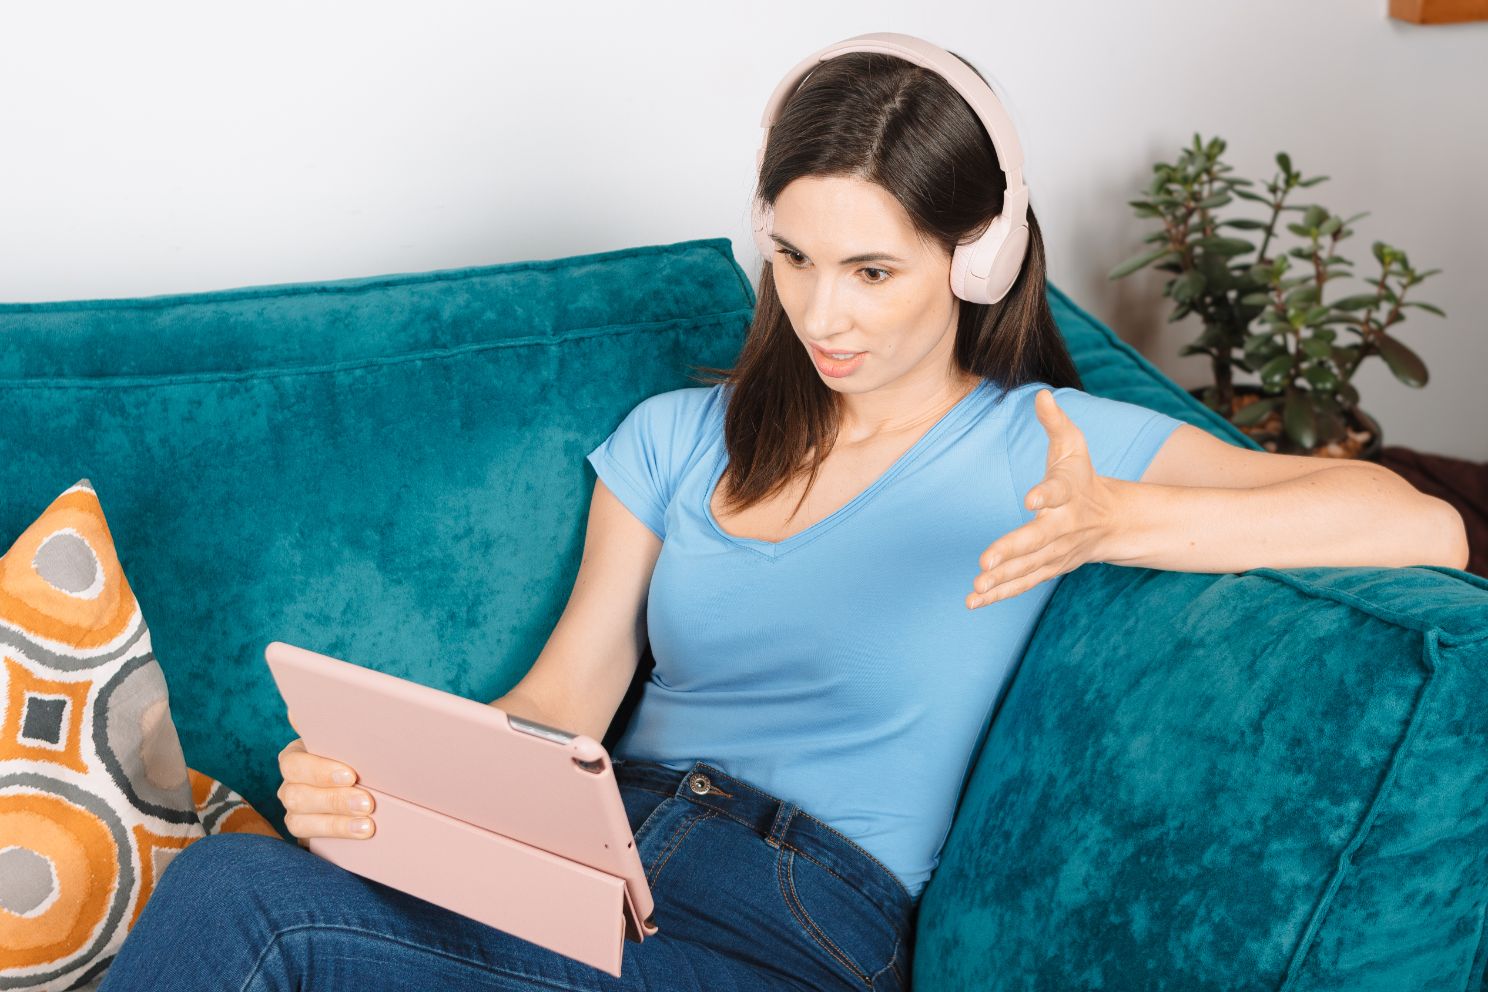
pixel 984 270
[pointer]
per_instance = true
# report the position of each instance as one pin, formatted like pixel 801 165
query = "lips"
pixel 827 354
pixel 837 368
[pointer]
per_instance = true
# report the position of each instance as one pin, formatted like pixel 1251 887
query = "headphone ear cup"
pixel 1007 264
pixel 984 270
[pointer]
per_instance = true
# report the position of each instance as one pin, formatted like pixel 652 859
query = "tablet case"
pixel 441 769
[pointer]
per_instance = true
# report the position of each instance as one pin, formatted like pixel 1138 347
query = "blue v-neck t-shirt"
pixel 840 668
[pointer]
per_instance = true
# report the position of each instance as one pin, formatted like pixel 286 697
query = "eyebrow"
pixel 870 257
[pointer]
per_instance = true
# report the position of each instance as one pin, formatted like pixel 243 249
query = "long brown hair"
pixel 878 118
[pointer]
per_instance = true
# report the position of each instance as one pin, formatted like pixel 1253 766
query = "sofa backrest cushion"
pixel 1273 779
pixel 389 470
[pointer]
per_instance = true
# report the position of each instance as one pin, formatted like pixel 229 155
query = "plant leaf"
pixel 1254 413
pixel 1306 293
pixel 1188 286
pixel 1136 262
pixel 1406 364
pixel 1425 306
pixel 1298 418
pixel 1276 368
pixel 1358 302
pixel 1318 348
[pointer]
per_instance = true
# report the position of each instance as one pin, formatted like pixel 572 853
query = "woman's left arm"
pixel 1354 513
pixel 1205 505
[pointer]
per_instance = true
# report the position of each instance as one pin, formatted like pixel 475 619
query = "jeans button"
pixel 699 784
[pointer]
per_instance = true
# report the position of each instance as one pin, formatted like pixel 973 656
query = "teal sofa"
pixel 1276 779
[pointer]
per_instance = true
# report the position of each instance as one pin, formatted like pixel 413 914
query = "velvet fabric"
pixel 389 470
pixel 1272 780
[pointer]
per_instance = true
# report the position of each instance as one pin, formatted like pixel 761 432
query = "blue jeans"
pixel 751 893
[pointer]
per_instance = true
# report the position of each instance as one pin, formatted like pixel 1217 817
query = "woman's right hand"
pixel 316 802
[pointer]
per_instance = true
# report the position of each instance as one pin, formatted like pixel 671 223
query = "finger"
pixel 1019 541
pixel 992 579
pixel 998 579
pixel 300 798
pixel 328 825
pixel 1064 436
pixel 299 765
pixel 1017 586
pixel 1053 491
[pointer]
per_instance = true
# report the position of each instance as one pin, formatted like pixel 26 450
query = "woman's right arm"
pixel 576 684
pixel 580 679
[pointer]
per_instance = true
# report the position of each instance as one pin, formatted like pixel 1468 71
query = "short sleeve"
pixel 1122 437
pixel 641 461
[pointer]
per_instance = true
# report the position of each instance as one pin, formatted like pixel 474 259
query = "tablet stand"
pixel 562 905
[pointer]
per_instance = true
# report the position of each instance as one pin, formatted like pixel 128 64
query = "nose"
pixel 824 319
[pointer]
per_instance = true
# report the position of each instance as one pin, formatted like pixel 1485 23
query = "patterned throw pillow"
pixel 95 795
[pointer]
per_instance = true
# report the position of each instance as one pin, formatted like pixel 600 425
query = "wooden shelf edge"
pixel 1439 11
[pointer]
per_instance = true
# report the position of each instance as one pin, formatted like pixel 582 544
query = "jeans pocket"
pixel 849 927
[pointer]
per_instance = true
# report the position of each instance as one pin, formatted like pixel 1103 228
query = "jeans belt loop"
pixel 783 814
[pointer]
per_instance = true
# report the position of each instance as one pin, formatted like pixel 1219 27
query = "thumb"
pixel 1064 436
pixel 1048 409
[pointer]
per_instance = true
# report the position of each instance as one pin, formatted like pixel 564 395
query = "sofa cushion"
pixel 1276 779
pixel 1108 366
pixel 96 798
pixel 389 470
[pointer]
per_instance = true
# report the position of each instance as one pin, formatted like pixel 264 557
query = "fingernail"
pixel 342 777
pixel 361 804
pixel 361 825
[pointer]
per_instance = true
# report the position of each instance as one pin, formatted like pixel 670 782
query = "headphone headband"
pixel 984 270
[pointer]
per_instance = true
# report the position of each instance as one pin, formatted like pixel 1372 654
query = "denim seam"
pixel 757 792
pixel 864 851
pixel 854 844
pixel 676 844
pixel 898 939
pixel 659 792
pixel 717 809
pixel 816 861
pixel 848 841
pixel 798 910
pixel 655 812
pixel 488 969
pixel 848 882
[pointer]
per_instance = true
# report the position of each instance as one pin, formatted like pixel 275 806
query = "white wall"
pixel 156 147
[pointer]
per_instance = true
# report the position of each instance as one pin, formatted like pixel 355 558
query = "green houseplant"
pixel 1260 317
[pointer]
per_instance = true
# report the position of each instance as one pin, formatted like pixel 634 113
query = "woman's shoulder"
pixel 678 421
pixel 687 404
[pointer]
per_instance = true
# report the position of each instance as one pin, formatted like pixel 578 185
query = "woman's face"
pixel 898 311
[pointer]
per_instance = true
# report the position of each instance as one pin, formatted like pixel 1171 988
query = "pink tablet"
pixel 509 822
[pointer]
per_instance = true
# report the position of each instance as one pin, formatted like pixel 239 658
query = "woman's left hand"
pixel 1076 514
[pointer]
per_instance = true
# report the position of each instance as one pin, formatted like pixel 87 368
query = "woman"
pixel 798 542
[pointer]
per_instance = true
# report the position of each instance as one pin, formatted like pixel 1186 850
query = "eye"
pixel 883 275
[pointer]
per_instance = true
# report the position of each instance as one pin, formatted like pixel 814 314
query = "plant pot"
pixel 1364 441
